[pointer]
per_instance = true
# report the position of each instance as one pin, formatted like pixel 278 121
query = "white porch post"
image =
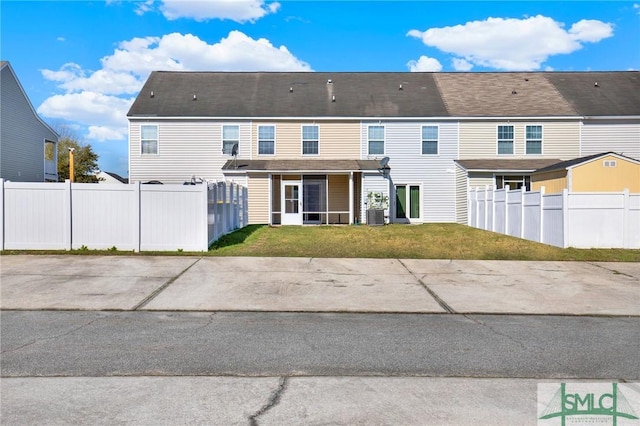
pixel 350 198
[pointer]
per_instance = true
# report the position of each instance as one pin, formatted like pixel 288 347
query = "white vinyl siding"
pixel 434 173
pixel 622 137
pixel 462 208
pixel 258 202
pixel 188 148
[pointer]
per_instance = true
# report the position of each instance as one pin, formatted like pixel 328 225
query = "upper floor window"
pixel 505 139
pixel 230 137
pixel 267 140
pixel 149 139
pixel 429 140
pixel 376 140
pixel 534 140
pixel 310 140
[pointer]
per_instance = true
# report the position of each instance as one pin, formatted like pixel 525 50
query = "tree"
pixel 85 161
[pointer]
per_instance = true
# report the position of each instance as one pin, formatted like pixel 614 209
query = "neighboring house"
pixel 109 177
pixel 28 146
pixel 604 172
pixel 310 146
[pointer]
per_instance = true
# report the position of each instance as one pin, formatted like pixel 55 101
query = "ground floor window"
pixel 408 201
pixel 514 182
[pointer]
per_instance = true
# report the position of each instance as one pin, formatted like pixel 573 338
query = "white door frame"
pixel 292 218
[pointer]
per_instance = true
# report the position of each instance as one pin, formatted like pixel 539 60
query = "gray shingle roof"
pixel 498 164
pixel 301 94
pixel 616 93
pixel 384 94
pixel 302 165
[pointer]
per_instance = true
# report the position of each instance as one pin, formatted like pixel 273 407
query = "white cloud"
pixel 424 64
pixel 100 100
pixel 90 108
pixel 240 11
pixel 513 44
pixel 636 6
pixel 460 64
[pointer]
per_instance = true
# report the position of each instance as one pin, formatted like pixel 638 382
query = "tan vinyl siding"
pixel 481 180
pixel 560 139
pixel 553 182
pixel 186 148
pixel 337 139
pixel 595 177
pixel 338 193
pixel 258 189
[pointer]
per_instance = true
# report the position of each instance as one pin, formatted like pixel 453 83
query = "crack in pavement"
pixel 432 293
pixel 52 337
pixel 160 289
pixel 209 322
pixel 274 399
pixel 610 270
pixel 494 330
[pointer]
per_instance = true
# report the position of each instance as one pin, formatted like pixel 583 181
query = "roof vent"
pixel 513 92
pixel 400 87
pixel 333 98
pixel 595 84
pixel 195 97
pixel 526 79
pixel 291 89
pixel 329 81
pixel 151 94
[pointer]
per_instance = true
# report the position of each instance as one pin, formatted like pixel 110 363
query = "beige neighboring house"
pixel 28 146
pixel 110 177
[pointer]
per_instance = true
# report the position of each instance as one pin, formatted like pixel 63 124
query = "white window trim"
pixel 275 137
pixel 384 139
pixel 541 138
pixel 513 141
pixel 222 136
pixel 157 139
pixel 302 140
pixel 437 126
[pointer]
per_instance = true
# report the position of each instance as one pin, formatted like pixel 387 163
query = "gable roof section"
pixel 577 161
pixel 501 165
pixel 616 94
pixel 288 94
pixel 504 94
pixel 7 65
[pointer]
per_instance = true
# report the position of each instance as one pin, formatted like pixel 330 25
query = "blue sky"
pixel 82 63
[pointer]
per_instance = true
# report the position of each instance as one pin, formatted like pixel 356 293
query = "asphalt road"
pixel 97 344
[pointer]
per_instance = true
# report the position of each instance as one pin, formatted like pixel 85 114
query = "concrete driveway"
pixel 66 282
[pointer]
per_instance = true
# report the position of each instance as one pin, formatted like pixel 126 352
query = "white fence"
pixel 567 219
pixel 129 217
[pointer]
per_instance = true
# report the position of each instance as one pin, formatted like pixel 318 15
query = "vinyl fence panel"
pixel 38 216
pixel 578 219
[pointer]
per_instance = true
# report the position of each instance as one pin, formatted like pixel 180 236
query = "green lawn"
pixel 428 241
